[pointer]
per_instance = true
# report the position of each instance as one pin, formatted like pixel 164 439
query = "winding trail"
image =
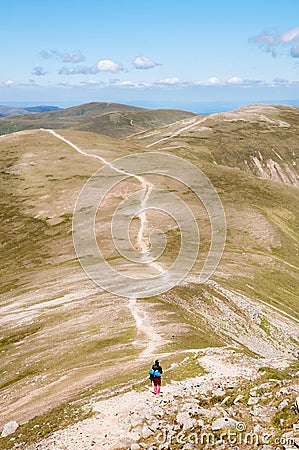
pixel 176 133
pixel 143 325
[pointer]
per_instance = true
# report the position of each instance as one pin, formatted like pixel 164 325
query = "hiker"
pixel 157 368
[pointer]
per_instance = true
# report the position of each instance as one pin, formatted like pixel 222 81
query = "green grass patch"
pixel 18 377
pixel 17 337
pixel 42 426
pixel 188 369
pixel 273 374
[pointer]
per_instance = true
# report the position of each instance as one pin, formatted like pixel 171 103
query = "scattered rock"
pixel 219 393
pixel 225 400
pixel 252 401
pixel 283 404
pixel 258 429
pixel 146 432
pixel 157 411
pixel 188 447
pixel 184 419
pixel 127 442
pixel 263 413
pixel 9 428
pixel 135 446
pixel 224 422
pixel 238 398
pixel 210 413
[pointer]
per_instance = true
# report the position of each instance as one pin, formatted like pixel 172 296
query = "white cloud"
pixel 231 83
pixel 66 57
pixel 127 83
pixel 213 81
pixel 80 84
pixel 170 81
pixel 8 83
pixel 38 71
pixel 278 43
pixel 132 84
pixel 143 63
pixel 30 83
pixel 267 41
pixel 83 70
pixel 107 65
pixel 290 35
pixel 235 80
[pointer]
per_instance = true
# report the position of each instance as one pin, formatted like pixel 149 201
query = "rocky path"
pixel 122 421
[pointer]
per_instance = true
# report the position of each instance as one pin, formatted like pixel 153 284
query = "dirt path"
pixel 150 336
pixel 117 419
pixel 176 133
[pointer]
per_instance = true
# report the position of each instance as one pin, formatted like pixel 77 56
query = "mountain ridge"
pixel 6 111
pixel 111 119
pixel 65 338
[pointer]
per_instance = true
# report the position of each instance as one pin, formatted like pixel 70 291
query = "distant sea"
pixel 209 107
pixel 196 107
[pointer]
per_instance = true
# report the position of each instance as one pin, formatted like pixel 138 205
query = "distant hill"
pixel 9 111
pixel 110 119
pixel 127 123
pixel 257 139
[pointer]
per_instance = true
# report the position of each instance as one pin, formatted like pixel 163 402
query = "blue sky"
pixel 164 52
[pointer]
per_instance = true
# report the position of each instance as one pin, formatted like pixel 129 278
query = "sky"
pixel 164 53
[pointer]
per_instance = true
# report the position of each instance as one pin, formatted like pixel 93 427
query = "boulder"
pixel 224 422
pixel 9 428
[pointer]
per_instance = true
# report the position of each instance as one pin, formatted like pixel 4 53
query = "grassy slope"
pixel 41 178
pixel 111 119
pixel 46 299
pixel 124 124
pixel 59 332
pixel 261 255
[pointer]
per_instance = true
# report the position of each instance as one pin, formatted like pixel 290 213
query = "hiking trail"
pixel 143 325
